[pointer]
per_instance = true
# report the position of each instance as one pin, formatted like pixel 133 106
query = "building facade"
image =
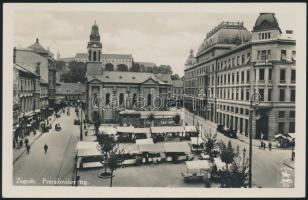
pixel 109 92
pixel 232 64
pixel 71 93
pixel 36 56
pixel 26 101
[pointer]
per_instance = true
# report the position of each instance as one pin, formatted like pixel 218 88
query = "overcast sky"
pixel 162 38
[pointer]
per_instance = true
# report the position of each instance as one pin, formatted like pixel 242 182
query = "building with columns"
pixel 231 64
pixel 109 92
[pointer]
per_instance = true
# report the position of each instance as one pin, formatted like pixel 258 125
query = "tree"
pixel 177 119
pixel 162 69
pixel 227 154
pixel 136 67
pixel 211 143
pixel 175 77
pixel 109 67
pixel 77 73
pixel 112 155
pixel 60 65
pixel 122 68
pixel 240 171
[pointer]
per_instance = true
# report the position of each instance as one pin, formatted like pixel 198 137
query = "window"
pixel 242 93
pixel 241 111
pixel 283 55
pixel 247 78
pixel 233 62
pixel 248 58
pixel 293 75
pixel 293 55
pixel 233 77
pixel 281 127
pixel 107 99
pixel 242 76
pixel 281 114
pixel 269 74
pixel 237 60
pixel 243 59
pixel 237 77
pixel 292 114
pixel 292 95
pixel 282 75
pixel 292 127
pixel 261 92
pixel 269 94
pixel 261 74
pixel 281 95
pixel 121 99
pixel 247 94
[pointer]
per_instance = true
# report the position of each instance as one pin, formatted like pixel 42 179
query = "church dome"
pixel 37 47
pixel 94 33
pixel 226 33
pixel 266 21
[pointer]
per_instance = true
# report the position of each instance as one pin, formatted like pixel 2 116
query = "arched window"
pixel 149 99
pixel 107 99
pixel 121 101
pixel 90 55
pixel 94 56
pixel 99 55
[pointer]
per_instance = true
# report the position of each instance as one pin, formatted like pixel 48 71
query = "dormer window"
pixel 120 77
pixel 263 36
pixel 133 77
pixel 106 76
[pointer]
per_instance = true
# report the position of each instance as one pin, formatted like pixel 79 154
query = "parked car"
pixel 76 122
pixel 230 133
pixel 220 128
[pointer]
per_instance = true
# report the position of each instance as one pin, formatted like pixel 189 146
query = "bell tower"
pixel 94 45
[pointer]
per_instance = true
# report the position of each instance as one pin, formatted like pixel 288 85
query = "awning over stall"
pixel 167 129
pixel 128 148
pixel 190 128
pixel 144 141
pixel 197 165
pixel 125 129
pixel 177 147
pixel 107 130
pixel 151 148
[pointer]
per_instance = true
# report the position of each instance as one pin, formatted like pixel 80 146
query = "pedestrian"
pixel 264 146
pixel 270 146
pixel 20 143
pixel 28 148
pixel 45 148
pixel 26 142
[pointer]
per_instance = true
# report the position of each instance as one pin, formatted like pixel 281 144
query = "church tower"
pixel 94 64
pixel 94 45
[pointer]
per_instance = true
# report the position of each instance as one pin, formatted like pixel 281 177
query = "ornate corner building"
pixel 232 62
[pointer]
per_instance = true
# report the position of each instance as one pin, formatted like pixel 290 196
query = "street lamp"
pixel 293 144
pixel 255 97
pixel 81 136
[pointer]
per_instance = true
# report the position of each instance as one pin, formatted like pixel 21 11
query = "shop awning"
pixel 197 165
pixel 196 140
pixel 167 129
pixel 151 148
pixel 292 135
pixel 281 136
pixel 177 147
pixel 145 141
pixel 190 128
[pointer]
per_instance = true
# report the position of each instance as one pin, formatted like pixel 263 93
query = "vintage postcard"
pixel 154 100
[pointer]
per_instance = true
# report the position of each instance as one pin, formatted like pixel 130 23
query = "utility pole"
pixel 81 136
pixel 250 141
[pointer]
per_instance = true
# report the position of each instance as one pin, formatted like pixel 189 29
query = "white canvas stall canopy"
pixel 142 130
pixel 292 135
pixel 151 148
pixel 196 140
pixel 145 141
pixel 190 129
pixel 107 130
pixel 125 129
pixel 281 136
pixel 197 165
pixel 176 147
pixel 86 145
pixel 89 152
pixel 167 129
pixel 128 148
pixel 219 164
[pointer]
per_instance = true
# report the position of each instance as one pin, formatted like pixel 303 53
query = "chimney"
pixel 14 55
pixel 38 68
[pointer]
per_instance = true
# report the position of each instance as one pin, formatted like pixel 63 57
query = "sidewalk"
pixel 18 152
pixel 289 163
pixel 241 137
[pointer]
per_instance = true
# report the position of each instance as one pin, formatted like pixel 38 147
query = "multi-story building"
pixel 232 64
pixel 26 101
pixel 115 91
pixel 71 92
pixel 177 89
pixel 44 99
pixel 36 56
